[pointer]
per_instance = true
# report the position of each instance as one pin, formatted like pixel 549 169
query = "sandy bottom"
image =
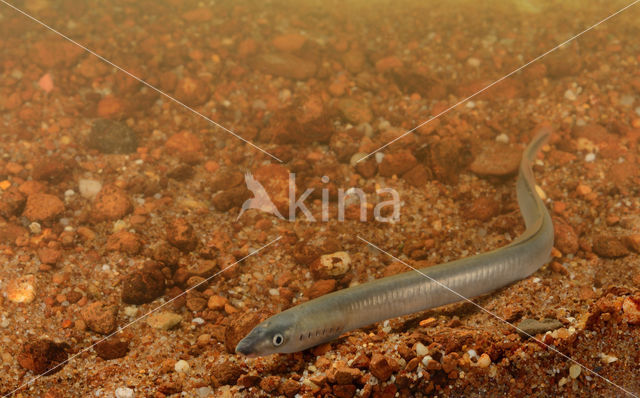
pixel 117 200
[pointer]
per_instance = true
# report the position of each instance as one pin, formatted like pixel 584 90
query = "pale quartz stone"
pixel 22 289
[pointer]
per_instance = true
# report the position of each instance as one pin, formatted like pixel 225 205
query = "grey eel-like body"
pixel 327 317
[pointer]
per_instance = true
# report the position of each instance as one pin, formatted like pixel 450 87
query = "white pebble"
pixel 570 95
pixel 124 392
pixel 426 359
pixel 130 311
pixel 484 360
pixel 198 321
pixel 182 366
pixel 421 350
pixel 274 292
pixel 590 157
pixel 471 105
pixel 89 188
pixel 607 359
pixel 503 138
pixel 574 371
pixel 35 228
pixel 379 156
pixel 475 62
pixel 69 192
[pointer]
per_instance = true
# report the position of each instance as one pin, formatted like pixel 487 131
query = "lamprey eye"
pixel 277 340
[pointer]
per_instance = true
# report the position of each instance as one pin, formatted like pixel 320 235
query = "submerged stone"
pixel 110 136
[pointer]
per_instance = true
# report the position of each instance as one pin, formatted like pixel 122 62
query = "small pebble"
pixel 381 367
pixel 607 359
pixel 35 228
pixel 42 207
pixel 631 310
pixel 496 159
pixel 216 302
pixel 379 156
pixel 570 95
pixel 533 326
pixel 130 311
pixel 124 392
pixel 472 61
pixel 583 190
pixel 22 289
pixel 590 157
pixel 385 327
pixel 484 361
pixel 164 320
pixel 142 286
pixel 574 371
pixel 335 264
pixel 89 188
pixel 502 138
pixel 182 366
pixel 204 392
pixel 203 339
pixel 608 246
pixel 101 317
pixel 428 322
pixel 43 356
pixel 421 350
pixel 111 203
pixel 112 348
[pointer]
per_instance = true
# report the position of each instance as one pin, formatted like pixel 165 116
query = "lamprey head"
pixel 270 337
